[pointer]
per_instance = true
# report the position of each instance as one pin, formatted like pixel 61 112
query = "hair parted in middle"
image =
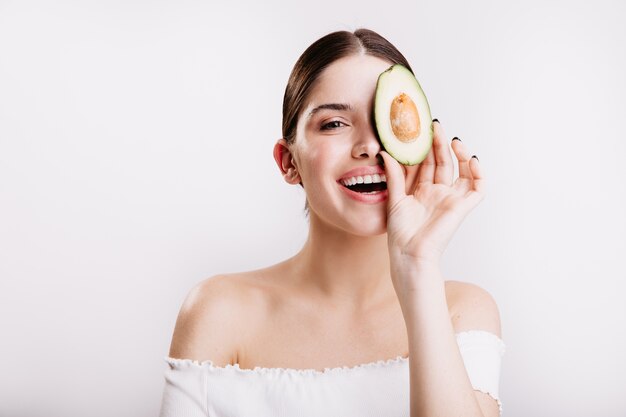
pixel 319 55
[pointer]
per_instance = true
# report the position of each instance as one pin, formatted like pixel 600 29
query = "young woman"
pixel 361 321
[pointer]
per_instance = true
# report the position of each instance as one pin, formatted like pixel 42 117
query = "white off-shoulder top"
pixel 376 389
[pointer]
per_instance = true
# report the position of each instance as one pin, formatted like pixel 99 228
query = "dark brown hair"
pixel 319 55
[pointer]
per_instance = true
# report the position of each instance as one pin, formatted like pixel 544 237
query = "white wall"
pixel 135 161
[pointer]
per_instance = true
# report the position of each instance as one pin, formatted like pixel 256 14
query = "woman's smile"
pixel 365 184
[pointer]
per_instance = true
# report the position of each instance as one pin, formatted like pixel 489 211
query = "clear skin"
pixel 425 207
pixel 369 275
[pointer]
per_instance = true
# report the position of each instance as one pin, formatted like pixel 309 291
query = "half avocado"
pixel 402 116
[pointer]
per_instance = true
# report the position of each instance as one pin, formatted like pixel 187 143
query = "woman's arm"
pixel 439 384
pixel 425 209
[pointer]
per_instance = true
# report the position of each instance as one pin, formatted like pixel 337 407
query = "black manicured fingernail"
pixel 474 156
pixel 455 138
pixel 435 120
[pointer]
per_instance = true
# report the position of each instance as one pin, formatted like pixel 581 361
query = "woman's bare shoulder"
pixel 213 315
pixel 472 308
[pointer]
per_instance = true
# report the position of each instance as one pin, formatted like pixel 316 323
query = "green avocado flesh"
pixel 402 116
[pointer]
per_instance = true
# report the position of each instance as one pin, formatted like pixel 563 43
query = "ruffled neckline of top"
pixel 258 370
pixel 383 363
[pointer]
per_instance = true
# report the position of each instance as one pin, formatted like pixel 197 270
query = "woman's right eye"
pixel 332 125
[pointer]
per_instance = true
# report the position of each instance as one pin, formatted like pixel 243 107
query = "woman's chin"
pixel 359 223
pixel 371 226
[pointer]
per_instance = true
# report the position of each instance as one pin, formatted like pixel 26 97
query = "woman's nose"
pixel 366 145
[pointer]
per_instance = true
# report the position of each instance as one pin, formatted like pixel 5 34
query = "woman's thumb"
pixel 395 178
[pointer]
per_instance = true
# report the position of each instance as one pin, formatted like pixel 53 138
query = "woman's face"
pixel 336 141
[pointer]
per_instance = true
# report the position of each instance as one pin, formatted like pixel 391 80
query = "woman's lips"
pixel 363 171
pixel 368 198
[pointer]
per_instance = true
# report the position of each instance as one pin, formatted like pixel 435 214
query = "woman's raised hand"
pixel 426 205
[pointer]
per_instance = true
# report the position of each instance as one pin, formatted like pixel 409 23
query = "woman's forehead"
pixel 349 81
pixel 350 73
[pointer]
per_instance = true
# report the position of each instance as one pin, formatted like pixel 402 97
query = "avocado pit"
pixel 405 120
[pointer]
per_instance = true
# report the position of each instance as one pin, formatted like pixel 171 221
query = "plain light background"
pixel 135 161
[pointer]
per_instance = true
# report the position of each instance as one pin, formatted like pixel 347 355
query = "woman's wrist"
pixel 418 266
pixel 416 277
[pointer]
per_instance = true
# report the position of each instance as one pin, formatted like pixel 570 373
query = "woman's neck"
pixel 344 269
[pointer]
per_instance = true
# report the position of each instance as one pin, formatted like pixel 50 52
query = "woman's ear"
pixel 284 160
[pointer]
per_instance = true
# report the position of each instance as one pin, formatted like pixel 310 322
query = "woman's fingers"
pixel 411 178
pixel 470 173
pixel 436 168
pixel 477 175
pixel 444 168
pixel 426 173
pixel 396 182
pixel 463 156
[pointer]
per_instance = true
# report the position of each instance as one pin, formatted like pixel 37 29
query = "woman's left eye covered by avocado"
pixel 402 116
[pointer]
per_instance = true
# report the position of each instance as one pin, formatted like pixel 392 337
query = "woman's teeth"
pixel 366 179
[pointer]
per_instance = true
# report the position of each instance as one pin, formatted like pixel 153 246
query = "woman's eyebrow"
pixel 331 106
